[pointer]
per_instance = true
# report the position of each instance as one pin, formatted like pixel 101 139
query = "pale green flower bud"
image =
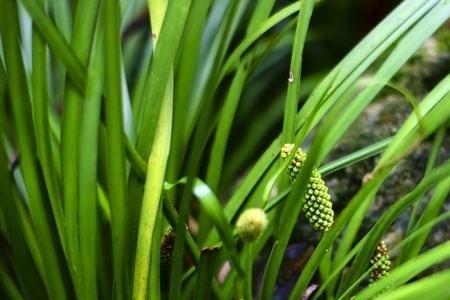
pixel 251 224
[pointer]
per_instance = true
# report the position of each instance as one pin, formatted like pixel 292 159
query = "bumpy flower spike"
pixel 297 161
pixel 381 262
pixel 166 249
pixel 251 224
pixel 318 206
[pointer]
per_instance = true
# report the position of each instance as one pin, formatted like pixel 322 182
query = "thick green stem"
pixel 116 178
pixel 152 196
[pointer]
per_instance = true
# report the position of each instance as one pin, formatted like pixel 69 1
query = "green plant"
pixel 146 140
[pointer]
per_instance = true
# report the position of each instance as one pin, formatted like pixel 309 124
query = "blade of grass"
pixel 159 74
pixel 430 212
pixel 42 131
pixel 267 267
pixel 114 133
pixel 355 157
pixel 88 171
pixel 63 21
pixel 63 18
pixel 31 239
pixel 81 41
pixel 57 41
pixel 260 14
pixel 20 103
pixel 206 271
pixel 274 20
pixel 185 76
pixel 214 47
pixel 223 128
pixel 151 201
pixel 325 270
pixel 146 271
pixel 248 258
pixel 428 287
pixel 293 90
pixel 10 288
pixel 437 143
pixel 22 262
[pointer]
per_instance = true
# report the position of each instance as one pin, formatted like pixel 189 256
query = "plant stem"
pixel 114 134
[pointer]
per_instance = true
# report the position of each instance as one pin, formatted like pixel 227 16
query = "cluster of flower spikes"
pixel 166 249
pixel 318 206
pixel 380 262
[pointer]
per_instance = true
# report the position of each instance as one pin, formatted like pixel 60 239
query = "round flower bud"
pixel 380 262
pixel 251 224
